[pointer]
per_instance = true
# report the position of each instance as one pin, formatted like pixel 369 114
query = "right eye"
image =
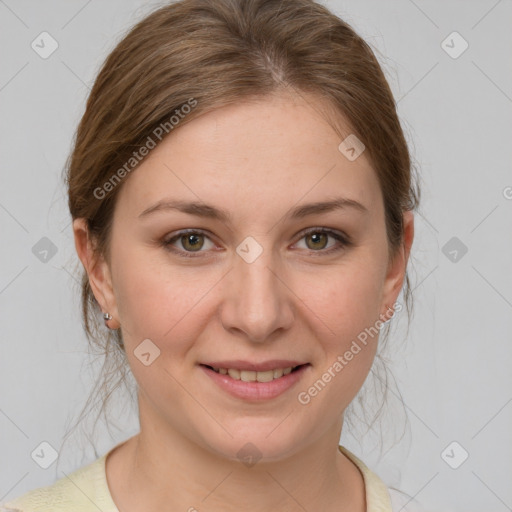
pixel 192 241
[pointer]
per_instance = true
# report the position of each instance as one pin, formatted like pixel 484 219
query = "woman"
pixel 242 201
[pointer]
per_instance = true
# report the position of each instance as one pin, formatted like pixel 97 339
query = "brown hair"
pixel 221 52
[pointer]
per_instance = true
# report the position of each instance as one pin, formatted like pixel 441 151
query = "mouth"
pixel 252 385
pixel 256 376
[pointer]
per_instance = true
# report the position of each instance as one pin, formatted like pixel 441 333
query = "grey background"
pixel 453 370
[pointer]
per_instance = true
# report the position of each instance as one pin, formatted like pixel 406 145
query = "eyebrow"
pixel 211 212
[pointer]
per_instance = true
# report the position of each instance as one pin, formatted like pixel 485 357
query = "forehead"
pixel 264 152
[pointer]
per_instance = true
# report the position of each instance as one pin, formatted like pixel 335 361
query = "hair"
pixel 223 52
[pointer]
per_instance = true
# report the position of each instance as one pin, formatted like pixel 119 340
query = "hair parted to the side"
pixel 222 52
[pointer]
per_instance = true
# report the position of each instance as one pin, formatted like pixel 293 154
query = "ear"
pixel 397 267
pixel 98 271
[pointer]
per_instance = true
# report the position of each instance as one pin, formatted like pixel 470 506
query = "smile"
pixel 251 385
pixel 252 376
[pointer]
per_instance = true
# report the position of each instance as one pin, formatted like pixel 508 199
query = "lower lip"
pixel 256 391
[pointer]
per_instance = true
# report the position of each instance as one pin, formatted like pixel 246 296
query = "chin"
pixel 249 445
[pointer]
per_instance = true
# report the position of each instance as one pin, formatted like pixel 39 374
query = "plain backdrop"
pixel 452 370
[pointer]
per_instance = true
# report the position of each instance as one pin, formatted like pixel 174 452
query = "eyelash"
pixel 343 242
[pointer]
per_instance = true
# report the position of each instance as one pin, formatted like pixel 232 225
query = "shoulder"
pixel 81 491
pixel 377 493
pixel 380 497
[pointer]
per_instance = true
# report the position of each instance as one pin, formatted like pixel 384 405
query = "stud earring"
pixel 106 318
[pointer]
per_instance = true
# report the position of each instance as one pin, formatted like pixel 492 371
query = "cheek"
pixel 348 308
pixel 167 304
pixel 346 299
pixel 166 308
pixel 346 303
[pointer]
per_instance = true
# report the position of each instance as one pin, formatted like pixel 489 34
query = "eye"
pixel 193 240
pixel 319 239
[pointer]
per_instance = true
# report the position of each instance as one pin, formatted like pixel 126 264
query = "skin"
pixel 257 160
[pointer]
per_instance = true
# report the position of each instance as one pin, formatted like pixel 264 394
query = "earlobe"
pixel 97 270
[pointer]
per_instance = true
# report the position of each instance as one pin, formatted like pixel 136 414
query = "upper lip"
pixel 256 367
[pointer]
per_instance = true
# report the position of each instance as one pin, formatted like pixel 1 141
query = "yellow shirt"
pixel 86 490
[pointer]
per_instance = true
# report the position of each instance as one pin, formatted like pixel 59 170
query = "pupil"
pixel 317 237
pixel 192 240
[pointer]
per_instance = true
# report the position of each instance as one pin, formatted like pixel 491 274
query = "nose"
pixel 257 300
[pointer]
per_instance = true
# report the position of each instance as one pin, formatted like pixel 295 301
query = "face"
pixel 263 279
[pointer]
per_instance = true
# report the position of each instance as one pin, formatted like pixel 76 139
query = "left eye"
pixel 319 239
pixel 193 241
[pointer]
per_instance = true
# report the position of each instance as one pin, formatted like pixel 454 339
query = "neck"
pixel 162 469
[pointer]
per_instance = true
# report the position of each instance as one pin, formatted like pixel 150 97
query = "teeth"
pixel 252 376
pixel 264 376
pixel 278 373
pixel 234 374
